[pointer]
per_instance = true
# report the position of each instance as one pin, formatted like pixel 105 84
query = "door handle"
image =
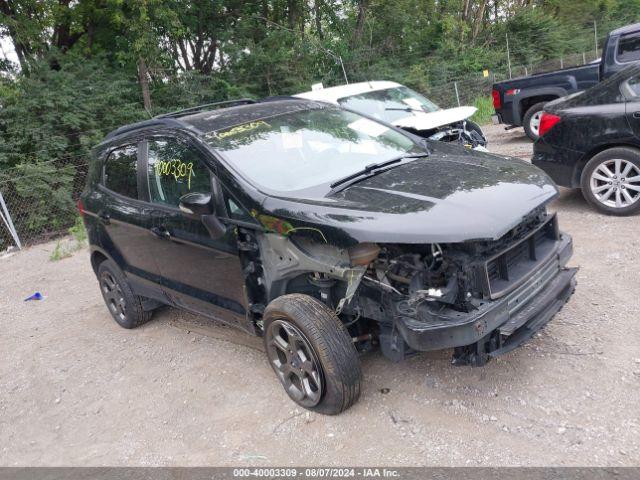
pixel 636 114
pixel 160 232
pixel 105 217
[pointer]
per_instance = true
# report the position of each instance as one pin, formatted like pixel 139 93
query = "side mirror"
pixel 194 205
pixel 198 206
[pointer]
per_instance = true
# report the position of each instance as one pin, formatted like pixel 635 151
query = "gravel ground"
pixel 76 389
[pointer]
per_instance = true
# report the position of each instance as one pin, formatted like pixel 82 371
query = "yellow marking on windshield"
pixel 246 127
pixel 175 168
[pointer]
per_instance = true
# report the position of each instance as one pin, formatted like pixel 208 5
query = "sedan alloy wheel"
pixel 616 183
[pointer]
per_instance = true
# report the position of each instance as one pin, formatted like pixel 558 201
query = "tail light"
pixel 547 122
pixel 497 101
pixel 80 207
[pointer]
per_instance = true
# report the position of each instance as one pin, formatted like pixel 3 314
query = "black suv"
pixel 326 232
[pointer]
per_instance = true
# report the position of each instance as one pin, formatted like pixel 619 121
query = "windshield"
pixel 390 104
pixel 298 150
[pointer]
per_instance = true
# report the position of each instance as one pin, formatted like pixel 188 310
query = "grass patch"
pixel 485 110
pixel 67 246
pixel 78 231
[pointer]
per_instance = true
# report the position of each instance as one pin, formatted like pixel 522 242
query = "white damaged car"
pixel 400 106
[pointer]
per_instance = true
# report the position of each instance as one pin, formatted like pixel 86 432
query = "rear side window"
pixel 121 171
pixel 174 170
pixel 631 88
pixel 629 48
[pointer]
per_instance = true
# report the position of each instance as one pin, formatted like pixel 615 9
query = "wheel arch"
pixel 97 257
pixel 528 102
pixel 525 100
pixel 579 168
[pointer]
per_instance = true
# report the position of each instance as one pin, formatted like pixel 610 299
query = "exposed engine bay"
pixel 389 295
pixel 461 132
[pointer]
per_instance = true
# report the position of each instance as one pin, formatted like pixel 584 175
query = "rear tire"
pixel 610 181
pixel 125 307
pixel 531 120
pixel 312 354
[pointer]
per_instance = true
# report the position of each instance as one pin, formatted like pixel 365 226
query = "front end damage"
pixel 458 133
pixel 482 298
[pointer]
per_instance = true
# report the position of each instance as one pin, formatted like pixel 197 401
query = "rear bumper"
pixel 516 316
pixel 504 116
pixel 557 162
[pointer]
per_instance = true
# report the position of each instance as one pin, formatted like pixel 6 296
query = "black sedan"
pixel 591 140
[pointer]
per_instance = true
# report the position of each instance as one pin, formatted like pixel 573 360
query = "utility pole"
pixel 595 36
pixel 508 55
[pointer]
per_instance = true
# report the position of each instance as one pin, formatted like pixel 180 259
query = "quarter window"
pixel 174 170
pixel 629 48
pixel 236 211
pixel 121 171
pixel 631 88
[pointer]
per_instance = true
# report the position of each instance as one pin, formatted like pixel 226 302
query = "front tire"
pixel 610 181
pixel 475 128
pixel 531 120
pixel 125 307
pixel 312 354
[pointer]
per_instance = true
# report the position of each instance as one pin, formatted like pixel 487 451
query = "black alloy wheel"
pixel 312 353
pixel 125 307
pixel 295 363
pixel 113 297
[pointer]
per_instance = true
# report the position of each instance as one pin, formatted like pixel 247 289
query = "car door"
pixel 125 221
pixel 199 273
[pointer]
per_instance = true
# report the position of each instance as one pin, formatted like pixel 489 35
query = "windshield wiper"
pixel 371 170
pixel 406 109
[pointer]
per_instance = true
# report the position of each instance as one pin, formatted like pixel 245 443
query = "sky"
pixel 7 50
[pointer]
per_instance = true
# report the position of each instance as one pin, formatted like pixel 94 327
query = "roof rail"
pixel 144 123
pixel 200 108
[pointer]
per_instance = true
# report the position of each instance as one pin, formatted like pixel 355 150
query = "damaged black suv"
pixel 326 232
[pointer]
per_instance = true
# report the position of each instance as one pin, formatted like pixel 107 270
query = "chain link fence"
pixel 40 199
pixel 40 202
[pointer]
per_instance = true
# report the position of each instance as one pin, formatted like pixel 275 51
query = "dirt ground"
pixel 76 389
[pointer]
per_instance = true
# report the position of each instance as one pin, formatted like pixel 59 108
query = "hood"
pixel 431 120
pixel 454 195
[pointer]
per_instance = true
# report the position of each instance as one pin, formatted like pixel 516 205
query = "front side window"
pixel 121 171
pixel 629 48
pixel 306 148
pixel 390 104
pixel 175 169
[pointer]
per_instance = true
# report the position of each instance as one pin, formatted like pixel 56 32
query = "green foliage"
pixel 82 64
pixel 485 110
pixel 66 247
pixel 49 122
pixel 59 252
pixel 78 231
